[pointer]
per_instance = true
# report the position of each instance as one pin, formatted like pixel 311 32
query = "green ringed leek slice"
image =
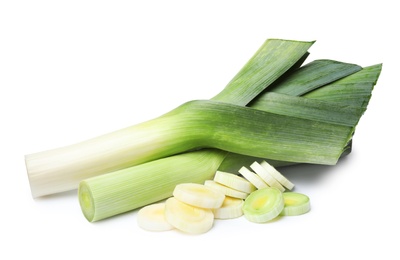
pixel 226 190
pixel 187 218
pixel 234 181
pixel 266 176
pixel 263 205
pixel 63 168
pixel 256 180
pixel 231 208
pixel 277 175
pixel 199 195
pixel 295 204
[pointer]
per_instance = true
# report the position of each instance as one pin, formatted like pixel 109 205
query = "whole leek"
pixel 62 169
pixel 128 186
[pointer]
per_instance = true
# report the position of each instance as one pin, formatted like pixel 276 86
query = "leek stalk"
pixel 62 169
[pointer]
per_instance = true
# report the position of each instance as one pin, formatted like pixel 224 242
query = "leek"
pixel 62 169
pixel 127 189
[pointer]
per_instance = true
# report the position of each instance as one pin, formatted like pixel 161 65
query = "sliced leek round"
pixel 253 178
pixel 234 181
pixel 199 195
pixel 263 205
pixel 266 176
pixel 226 190
pixel 277 175
pixel 231 208
pixel 187 218
pixel 152 218
pixel 295 204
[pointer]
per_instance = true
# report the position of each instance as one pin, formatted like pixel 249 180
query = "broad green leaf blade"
pixel 353 90
pixel 272 60
pixel 306 108
pixel 312 76
pixel 259 133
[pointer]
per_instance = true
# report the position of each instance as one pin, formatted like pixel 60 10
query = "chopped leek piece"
pixel 228 191
pixel 266 176
pixel 263 205
pixel 187 218
pixel 199 195
pixel 152 218
pixel 256 180
pixel 295 204
pixel 231 208
pixel 234 181
pixel 277 175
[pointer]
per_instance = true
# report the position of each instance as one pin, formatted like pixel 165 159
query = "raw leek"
pixel 62 169
pixel 125 190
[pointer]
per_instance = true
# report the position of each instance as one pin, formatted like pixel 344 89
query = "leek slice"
pixel 266 176
pixel 256 180
pixel 234 181
pixel 263 205
pixel 187 218
pixel 295 204
pixel 277 175
pixel 231 208
pixel 199 195
pixel 228 191
pixel 152 218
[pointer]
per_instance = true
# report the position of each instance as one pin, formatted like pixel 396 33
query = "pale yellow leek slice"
pixel 277 175
pixel 266 176
pixel 234 181
pixel 152 218
pixel 226 190
pixel 231 208
pixel 199 195
pixel 253 178
pixel 187 218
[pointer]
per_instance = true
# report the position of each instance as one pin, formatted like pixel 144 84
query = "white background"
pixel 72 70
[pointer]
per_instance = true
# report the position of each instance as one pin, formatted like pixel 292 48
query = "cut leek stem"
pixel 110 194
pixel 62 169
